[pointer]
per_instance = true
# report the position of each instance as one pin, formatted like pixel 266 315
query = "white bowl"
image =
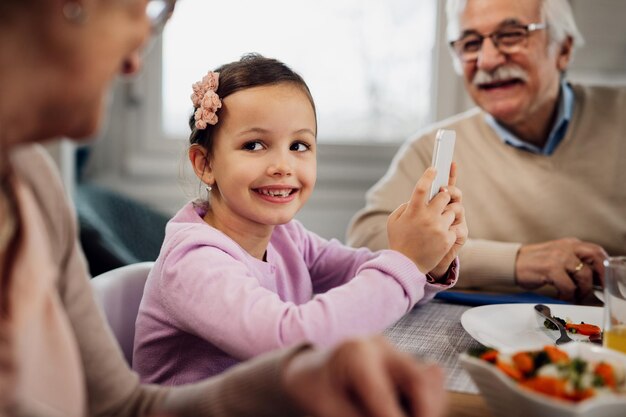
pixel 505 398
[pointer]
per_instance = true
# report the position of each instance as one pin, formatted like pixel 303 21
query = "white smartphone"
pixel 442 159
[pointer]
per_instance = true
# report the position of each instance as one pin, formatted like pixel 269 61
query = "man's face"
pixel 517 87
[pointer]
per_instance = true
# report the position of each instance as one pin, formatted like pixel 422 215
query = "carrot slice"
pixel 524 362
pixel 582 394
pixel 584 328
pixel 490 356
pixel 548 385
pixel 509 370
pixel 605 371
pixel 555 354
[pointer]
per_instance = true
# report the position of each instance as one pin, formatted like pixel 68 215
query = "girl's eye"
pixel 254 145
pixel 299 147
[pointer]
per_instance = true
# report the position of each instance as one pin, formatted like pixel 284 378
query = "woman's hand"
pixel 364 377
pixel 424 231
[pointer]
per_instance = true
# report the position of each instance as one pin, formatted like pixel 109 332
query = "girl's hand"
pixel 364 377
pixel 459 226
pixel 423 231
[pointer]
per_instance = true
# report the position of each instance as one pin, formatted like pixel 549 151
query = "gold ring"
pixel 580 266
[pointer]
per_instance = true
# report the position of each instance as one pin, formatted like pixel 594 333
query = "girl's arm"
pixel 332 264
pixel 207 292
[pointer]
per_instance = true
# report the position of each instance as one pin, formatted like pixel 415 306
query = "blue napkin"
pixel 479 299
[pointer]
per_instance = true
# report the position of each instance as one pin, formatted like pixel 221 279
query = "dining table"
pixel 433 332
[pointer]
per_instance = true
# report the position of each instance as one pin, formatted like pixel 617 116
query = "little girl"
pixel 238 276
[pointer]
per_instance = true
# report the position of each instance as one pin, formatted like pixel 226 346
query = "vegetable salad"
pixel 552 372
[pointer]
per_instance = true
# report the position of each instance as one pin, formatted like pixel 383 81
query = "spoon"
pixel 545 312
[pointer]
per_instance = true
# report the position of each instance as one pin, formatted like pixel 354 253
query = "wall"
pixel 603 58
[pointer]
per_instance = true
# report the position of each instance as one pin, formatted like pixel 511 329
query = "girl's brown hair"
pixel 252 70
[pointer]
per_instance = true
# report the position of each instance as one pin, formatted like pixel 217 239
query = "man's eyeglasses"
pixel 159 11
pixel 509 40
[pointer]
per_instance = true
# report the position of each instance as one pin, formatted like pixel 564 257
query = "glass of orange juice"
pixel 615 303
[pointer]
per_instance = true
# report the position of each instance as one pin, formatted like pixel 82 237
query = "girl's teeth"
pixel 276 193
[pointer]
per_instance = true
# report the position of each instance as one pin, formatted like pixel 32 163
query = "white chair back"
pixel 119 293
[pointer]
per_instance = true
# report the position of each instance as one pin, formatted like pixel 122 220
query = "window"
pixel 369 65
pixel 367 62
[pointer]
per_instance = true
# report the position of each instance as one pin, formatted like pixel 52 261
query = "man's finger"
pixel 563 283
pixel 593 255
pixel 584 280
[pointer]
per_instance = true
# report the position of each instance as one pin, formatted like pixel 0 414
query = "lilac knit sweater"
pixel 208 304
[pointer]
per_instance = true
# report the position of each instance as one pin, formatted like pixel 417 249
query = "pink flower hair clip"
pixel 206 100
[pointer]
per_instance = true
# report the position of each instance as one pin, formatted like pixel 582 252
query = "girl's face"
pixel 263 165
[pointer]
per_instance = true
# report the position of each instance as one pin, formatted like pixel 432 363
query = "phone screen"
pixel 442 159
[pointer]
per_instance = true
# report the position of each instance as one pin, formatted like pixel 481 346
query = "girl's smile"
pixel 277 193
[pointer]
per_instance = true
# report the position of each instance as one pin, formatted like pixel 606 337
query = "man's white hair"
pixel 557 14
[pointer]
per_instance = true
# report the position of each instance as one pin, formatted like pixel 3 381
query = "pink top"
pixel 50 378
pixel 208 304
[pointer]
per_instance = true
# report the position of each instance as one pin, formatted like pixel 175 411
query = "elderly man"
pixel 542 162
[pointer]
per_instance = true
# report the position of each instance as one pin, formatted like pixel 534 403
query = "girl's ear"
pixel 199 158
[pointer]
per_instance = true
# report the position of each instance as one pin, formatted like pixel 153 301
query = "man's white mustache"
pixel 505 72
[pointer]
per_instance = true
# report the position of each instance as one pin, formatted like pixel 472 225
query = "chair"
pixel 119 293
pixel 116 230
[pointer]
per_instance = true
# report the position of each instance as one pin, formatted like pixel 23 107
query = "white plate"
pixel 518 327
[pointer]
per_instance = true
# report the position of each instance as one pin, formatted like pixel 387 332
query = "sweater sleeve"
pixel 487 263
pixel 228 306
pixel 332 264
pixel 112 388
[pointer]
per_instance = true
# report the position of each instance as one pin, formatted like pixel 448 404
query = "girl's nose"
pixel 281 166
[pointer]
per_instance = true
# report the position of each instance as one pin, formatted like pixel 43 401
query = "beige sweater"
pixel 66 360
pixel 513 197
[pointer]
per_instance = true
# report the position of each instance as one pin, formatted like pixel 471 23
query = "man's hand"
pixel 364 377
pixel 568 264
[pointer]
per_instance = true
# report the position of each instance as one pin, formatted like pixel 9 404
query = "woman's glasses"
pixel 508 39
pixel 159 11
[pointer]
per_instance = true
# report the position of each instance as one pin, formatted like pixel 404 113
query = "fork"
pixel 545 312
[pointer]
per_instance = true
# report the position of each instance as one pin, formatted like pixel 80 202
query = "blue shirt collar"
pixel 564 115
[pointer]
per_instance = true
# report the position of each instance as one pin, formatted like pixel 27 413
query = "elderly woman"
pixel 57 357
